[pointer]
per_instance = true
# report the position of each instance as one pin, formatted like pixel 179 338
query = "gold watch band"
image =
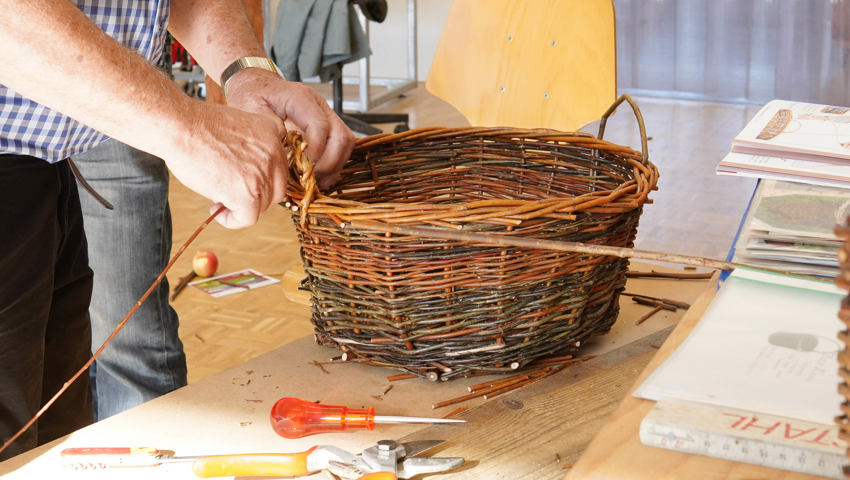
pixel 247 62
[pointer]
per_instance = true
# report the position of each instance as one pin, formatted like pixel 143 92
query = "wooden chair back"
pixel 527 63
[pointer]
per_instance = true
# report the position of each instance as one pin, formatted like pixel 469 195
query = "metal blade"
pixel 323 455
pixel 389 456
pixel 402 419
pixel 412 467
pixel 347 471
pixel 171 459
pixel 411 449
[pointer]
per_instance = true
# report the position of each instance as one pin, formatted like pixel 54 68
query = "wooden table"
pixel 538 431
pixel 617 453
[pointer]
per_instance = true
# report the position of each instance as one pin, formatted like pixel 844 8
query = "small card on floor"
pixel 235 282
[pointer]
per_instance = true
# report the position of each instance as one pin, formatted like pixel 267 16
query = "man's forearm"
pixel 215 32
pixel 55 55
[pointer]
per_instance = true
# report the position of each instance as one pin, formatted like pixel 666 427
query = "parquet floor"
pixel 694 212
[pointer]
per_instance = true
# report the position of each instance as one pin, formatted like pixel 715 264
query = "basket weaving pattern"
pixel 437 307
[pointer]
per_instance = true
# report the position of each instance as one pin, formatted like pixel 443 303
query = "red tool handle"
pixel 296 418
pixel 109 457
pixel 73 451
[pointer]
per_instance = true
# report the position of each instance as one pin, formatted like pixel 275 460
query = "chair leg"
pixel 358 125
pixel 360 122
pixel 382 117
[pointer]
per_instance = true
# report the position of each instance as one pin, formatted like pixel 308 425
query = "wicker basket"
pixel 843 282
pixel 442 308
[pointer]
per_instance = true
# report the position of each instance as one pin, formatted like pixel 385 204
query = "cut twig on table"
pixel 646 317
pixel 637 297
pixel 496 387
pixel 658 304
pixel 321 367
pixel 454 412
pixel 381 395
pixel 674 275
pixel 654 303
pixel 181 284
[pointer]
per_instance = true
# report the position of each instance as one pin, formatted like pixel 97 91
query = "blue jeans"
pixel 128 249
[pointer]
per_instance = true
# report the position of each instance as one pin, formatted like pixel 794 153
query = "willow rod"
pixel 573 247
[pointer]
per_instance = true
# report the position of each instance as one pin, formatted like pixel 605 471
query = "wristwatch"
pixel 248 62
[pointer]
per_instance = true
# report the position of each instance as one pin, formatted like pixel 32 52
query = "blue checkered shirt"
pixel 28 128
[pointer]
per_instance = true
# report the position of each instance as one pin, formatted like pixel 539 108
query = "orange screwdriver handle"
pixel 279 464
pixel 296 418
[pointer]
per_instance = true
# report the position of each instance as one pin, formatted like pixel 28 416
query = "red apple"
pixel 205 263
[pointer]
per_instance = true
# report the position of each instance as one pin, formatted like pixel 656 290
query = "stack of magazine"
pixel 801 153
pixel 789 227
pixel 793 141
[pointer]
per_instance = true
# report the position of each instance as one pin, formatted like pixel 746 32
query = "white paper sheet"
pixel 767 343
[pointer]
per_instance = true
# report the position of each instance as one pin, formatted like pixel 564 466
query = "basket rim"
pixel 304 196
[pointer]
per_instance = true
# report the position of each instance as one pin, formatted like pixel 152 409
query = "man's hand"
pixel 217 32
pixel 232 157
pixel 235 155
pixel 329 141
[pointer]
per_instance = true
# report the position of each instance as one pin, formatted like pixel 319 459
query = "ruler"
pixel 732 434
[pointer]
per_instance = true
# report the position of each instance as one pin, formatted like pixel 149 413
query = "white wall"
pixel 389 39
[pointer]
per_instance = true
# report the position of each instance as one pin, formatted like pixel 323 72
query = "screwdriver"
pixel 296 418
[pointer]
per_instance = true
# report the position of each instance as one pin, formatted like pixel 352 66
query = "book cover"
pixel 797 130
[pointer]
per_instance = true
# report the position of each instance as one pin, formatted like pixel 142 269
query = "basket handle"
pixel 638 116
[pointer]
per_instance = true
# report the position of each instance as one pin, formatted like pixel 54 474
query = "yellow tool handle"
pixel 379 476
pixel 283 464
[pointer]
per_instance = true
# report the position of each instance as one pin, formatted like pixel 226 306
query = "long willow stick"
pixel 573 247
pixel 118 328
